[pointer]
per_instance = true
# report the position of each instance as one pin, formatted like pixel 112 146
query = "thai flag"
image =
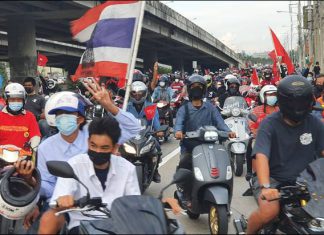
pixel 109 30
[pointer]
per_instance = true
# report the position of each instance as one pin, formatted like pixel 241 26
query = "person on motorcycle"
pixel 136 106
pixel 211 89
pixel 18 126
pixel 71 140
pixel 267 78
pixel 164 93
pixel 232 86
pixel 193 115
pixel 177 85
pixel 106 175
pixel 287 141
pixel 34 103
pixel 268 98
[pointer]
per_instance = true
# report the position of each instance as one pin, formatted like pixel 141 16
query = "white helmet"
pixel 51 103
pixel 228 76
pixel 15 90
pixel 267 89
pixel 18 198
pixel 138 92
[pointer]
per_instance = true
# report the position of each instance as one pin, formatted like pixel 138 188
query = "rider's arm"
pixel 155 76
pixel 132 187
pixel 262 168
pixel 64 187
pixel 179 123
pixel 128 124
pixel 34 132
pixel 156 121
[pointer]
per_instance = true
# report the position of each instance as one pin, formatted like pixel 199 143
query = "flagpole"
pixel 131 66
pixel 275 52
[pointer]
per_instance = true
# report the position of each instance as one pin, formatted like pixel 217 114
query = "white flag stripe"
pixel 85 35
pixel 130 10
pixel 113 54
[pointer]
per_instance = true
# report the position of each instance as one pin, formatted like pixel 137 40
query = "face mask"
pixel 232 91
pixel 196 93
pixel 66 124
pixel 29 90
pixel 99 158
pixel 297 116
pixel 162 84
pixel 177 80
pixel 16 106
pixel 271 100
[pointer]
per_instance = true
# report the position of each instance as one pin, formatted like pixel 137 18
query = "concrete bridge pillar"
pixel 149 59
pixel 22 48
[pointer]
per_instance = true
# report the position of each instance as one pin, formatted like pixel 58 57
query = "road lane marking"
pixel 169 156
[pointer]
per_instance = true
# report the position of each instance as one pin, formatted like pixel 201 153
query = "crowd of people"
pixel 288 134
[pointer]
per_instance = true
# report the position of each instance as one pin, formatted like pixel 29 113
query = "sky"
pixel 242 25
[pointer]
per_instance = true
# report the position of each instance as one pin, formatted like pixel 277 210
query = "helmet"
pixel 18 198
pixel 267 89
pixel 51 83
pixel 231 80
pixel 195 78
pixel 64 100
pixel 138 75
pixel 15 90
pixel 138 92
pixel 295 97
pixel 267 74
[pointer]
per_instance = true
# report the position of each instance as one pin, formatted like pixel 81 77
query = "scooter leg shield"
pixel 216 194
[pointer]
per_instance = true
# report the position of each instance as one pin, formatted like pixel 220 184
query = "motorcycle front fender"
pixel 217 195
pixel 238 148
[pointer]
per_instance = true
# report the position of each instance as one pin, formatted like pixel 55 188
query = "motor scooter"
pixel 212 181
pixel 235 111
pixel 164 115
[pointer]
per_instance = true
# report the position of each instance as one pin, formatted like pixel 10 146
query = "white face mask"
pixel 162 84
pixel 177 80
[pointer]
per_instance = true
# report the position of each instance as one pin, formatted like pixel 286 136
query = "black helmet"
pixel 295 97
pixel 195 78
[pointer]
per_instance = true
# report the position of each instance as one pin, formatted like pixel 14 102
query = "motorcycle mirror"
pixel 64 170
pixel 252 117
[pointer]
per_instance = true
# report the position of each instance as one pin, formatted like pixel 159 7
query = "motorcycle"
pixel 176 102
pixel 134 214
pixel 164 114
pixel 142 152
pixel 212 181
pixel 301 205
pixel 235 110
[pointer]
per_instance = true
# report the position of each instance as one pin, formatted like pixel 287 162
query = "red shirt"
pixel 177 86
pixel 17 129
pixel 258 111
pixel 266 82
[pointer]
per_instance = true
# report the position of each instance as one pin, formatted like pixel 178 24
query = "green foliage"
pixel 3 74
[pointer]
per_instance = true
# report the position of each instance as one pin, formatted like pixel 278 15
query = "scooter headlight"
pixel 146 148
pixel 316 225
pixel 236 112
pixel 211 136
pixel 129 149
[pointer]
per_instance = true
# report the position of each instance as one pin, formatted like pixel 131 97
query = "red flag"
pixel 150 112
pixel 280 50
pixel 275 71
pixel 255 78
pixel 41 60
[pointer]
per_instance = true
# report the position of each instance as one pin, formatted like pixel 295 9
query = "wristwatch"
pixel 262 186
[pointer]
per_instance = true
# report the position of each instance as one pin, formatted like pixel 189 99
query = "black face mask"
pixel 29 90
pixel 232 91
pixel 297 116
pixel 99 158
pixel 196 93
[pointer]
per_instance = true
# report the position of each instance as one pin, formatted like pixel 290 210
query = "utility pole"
pixel 310 27
pixel 291 31
pixel 300 42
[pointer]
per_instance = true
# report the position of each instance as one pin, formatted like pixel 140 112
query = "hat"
pixel 69 103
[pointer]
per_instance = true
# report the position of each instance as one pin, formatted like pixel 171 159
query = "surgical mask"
pixel 196 93
pixel 162 84
pixel 177 80
pixel 232 91
pixel 16 106
pixel 66 123
pixel 99 158
pixel 271 100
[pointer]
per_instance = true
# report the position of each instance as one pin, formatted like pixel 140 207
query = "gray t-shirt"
pixel 35 104
pixel 289 149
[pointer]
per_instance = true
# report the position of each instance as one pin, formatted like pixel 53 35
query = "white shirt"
pixel 121 180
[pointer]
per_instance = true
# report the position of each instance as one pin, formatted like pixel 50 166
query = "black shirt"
pixel 317 69
pixel 289 149
pixel 35 104
pixel 102 176
pixel 211 92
